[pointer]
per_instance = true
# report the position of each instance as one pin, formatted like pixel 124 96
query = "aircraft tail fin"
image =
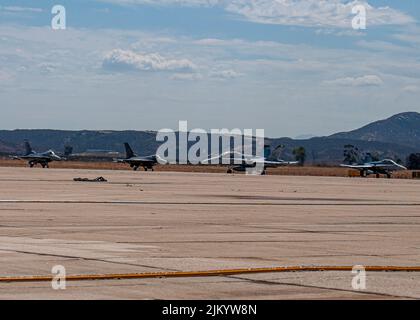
pixel 275 154
pixel 68 150
pixel 267 151
pixel 28 148
pixel 128 151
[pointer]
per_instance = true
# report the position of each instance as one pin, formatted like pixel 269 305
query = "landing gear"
pixel 229 171
pixel 363 174
pixel 43 164
pixel 264 172
pixel 135 168
pixel 145 168
pixel 388 175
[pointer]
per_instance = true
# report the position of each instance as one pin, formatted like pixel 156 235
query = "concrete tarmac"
pixel 167 221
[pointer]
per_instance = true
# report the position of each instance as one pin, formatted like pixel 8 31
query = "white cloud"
pixel 225 74
pixel 314 13
pixel 275 71
pixel 20 9
pixel 186 76
pixel 186 3
pixel 340 32
pixel 384 46
pixel 127 60
pixel 4 76
pixel 410 36
pixel 48 67
pixel 411 89
pixel 307 13
pixel 368 80
pixel 211 42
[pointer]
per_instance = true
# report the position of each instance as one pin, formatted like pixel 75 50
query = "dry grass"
pixel 114 166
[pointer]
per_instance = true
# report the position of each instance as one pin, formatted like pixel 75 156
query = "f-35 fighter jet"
pixel 386 167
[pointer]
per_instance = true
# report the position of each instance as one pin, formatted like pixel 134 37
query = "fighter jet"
pixel 241 162
pixel 147 162
pixel 386 167
pixel 35 158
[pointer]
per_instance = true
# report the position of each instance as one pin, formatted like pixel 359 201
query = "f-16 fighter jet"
pixel 35 158
pixel 147 162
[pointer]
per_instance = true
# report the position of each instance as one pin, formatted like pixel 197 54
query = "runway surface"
pixel 163 221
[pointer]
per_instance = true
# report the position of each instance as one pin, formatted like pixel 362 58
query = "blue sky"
pixel 290 67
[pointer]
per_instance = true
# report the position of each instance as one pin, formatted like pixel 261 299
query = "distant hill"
pixel 403 129
pixel 395 138
pixel 6 148
pixel 305 136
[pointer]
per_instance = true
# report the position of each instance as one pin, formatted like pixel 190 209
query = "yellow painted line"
pixel 209 273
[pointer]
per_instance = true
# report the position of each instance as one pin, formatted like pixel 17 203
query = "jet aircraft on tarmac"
pixel 241 162
pixel 386 167
pixel 35 158
pixel 147 162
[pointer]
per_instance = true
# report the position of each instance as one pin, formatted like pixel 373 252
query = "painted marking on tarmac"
pixel 210 273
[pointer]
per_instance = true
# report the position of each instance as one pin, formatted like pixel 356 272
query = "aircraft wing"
pixel 230 160
pixel 142 159
pixel 276 163
pixel 239 158
pixel 209 160
pixel 226 155
pixel 368 166
pixel 385 165
pixel 356 166
pixel 263 162
pixel 161 160
pixel 34 157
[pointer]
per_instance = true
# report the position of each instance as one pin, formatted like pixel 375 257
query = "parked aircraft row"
pixel 237 161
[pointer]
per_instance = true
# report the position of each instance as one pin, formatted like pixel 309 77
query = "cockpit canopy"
pixel 388 161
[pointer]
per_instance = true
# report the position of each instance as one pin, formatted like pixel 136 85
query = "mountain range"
pixel 395 137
